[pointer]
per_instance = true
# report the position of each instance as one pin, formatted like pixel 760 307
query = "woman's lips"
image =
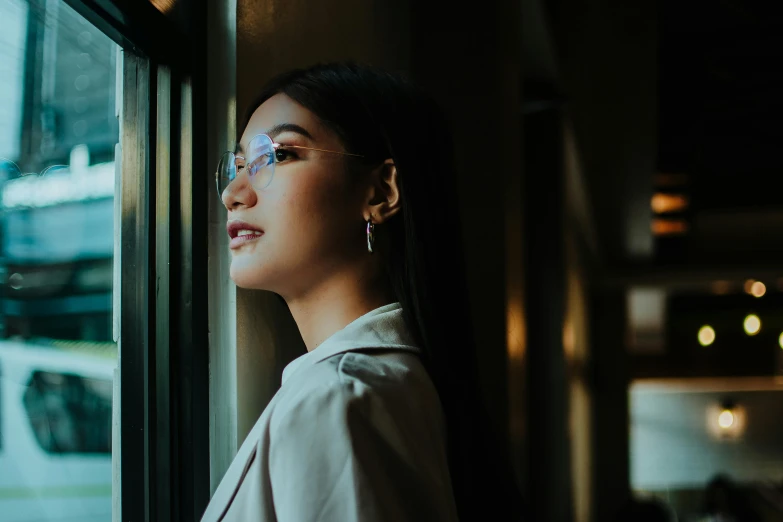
pixel 241 233
pixel 238 241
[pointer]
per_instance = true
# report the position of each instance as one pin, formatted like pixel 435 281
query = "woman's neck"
pixel 333 305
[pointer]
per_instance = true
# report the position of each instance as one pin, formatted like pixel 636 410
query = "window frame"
pixel 163 333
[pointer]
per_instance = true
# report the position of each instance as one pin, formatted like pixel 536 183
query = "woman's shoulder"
pixel 366 371
pixel 356 380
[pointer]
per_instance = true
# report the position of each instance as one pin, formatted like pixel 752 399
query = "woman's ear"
pixel 384 199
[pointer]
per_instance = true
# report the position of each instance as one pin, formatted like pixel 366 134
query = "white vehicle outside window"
pixel 55 434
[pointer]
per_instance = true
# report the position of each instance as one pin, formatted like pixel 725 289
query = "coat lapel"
pixel 231 481
pixel 380 329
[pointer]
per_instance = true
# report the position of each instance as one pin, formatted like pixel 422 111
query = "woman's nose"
pixel 239 193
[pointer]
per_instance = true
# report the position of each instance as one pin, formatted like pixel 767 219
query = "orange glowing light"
pixel 758 289
pixel 669 227
pixel 663 203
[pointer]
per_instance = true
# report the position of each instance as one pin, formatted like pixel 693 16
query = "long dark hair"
pixel 381 115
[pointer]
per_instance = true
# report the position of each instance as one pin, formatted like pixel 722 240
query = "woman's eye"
pixel 283 155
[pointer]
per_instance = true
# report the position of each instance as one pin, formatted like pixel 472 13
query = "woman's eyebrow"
pixel 288 127
pixel 277 130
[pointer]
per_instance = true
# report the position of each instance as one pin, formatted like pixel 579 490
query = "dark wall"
pixel 607 59
pixel 473 69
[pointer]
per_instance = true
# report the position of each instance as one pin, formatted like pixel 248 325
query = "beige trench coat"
pixel 355 433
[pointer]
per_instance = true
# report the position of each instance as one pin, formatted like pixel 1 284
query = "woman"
pixel 341 200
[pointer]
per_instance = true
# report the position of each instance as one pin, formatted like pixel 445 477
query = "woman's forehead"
pixel 277 112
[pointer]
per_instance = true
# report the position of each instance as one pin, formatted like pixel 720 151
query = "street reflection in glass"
pixel 58 134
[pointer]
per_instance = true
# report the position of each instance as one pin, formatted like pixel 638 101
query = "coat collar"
pixel 381 329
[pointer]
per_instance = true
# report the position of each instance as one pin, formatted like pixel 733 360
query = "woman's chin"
pixel 249 277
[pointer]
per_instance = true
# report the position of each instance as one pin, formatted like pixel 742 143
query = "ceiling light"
pixel 752 324
pixel 706 335
pixel 726 419
pixel 668 227
pixel 662 203
pixel 758 289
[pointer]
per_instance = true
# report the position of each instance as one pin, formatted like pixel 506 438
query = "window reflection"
pixel 58 134
pixel 69 413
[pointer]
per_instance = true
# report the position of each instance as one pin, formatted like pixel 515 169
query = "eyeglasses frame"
pixel 275 147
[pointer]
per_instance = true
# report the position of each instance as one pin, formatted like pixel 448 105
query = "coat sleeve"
pixel 340 454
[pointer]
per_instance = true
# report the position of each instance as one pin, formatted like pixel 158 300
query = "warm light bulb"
pixel 663 203
pixel 752 324
pixel 758 289
pixel 749 285
pixel 706 335
pixel 780 340
pixel 726 419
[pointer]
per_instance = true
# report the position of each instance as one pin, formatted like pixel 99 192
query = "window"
pixel 70 413
pixel 59 130
pixel 103 253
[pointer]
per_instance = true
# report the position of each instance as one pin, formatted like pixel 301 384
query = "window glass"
pixel 69 413
pixel 58 134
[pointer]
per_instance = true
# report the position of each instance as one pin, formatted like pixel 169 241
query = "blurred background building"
pixel 58 133
pixel 57 226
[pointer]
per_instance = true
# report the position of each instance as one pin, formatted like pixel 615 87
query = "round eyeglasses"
pixel 258 162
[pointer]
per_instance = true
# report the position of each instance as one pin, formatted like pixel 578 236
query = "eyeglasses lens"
pixel 258 162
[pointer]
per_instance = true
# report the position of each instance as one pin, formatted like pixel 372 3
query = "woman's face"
pixel 310 215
